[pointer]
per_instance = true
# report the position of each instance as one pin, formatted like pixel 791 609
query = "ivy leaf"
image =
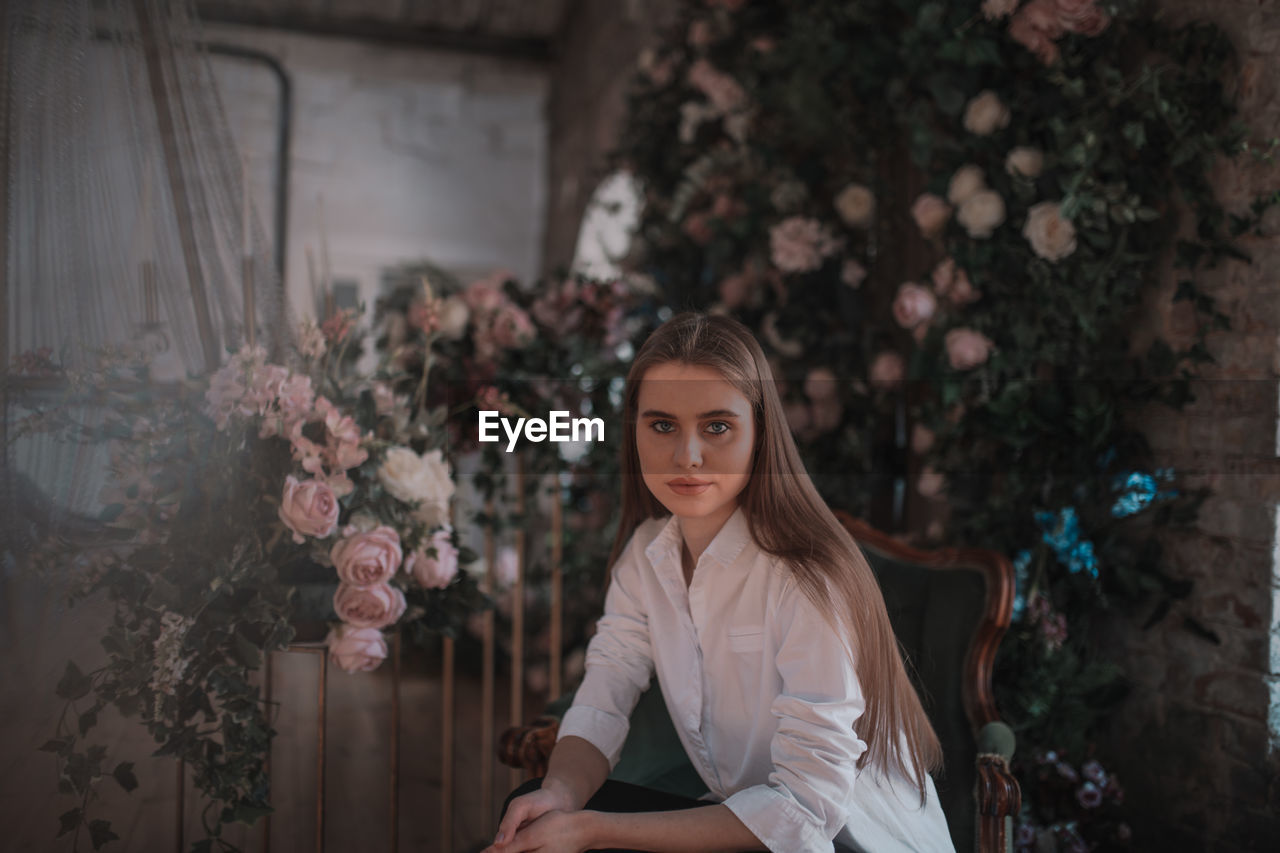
pixel 100 833
pixel 58 745
pixel 123 774
pixel 88 720
pixel 74 684
pixel 67 821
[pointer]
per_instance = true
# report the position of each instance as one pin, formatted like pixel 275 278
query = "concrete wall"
pixel 417 155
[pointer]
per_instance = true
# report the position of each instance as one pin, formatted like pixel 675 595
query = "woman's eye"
pixel 724 427
pixel 662 427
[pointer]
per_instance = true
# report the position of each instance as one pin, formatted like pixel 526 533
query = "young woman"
pixel 766 628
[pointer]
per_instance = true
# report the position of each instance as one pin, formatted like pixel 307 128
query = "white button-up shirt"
pixel 762 692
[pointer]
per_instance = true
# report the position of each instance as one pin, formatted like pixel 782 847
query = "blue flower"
pixel 1137 490
pixel 1021 562
pixel 1062 534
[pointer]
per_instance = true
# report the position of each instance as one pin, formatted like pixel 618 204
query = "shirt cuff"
pixel 605 731
pixel 779 823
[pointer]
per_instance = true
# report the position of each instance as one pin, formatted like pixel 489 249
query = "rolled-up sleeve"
pixel 815 750
pixel 619 664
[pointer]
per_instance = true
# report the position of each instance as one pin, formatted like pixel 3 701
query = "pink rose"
pixel 434 572
pixel 1036 27
pixel 354 649
pixel 798 244
pixel 1082 16
pixel 512 328
pixel 922 438
pixel 931 214
pixel 735 289
pixel 369 558
pixel 820 384
pixel 368 606
pixel 993 9
pixel 853 273
pixel 966 348
pixel 931 482
pixel 486 293
pixel 308 508
pixel 914 305
pixel 699 33
pixel 887 370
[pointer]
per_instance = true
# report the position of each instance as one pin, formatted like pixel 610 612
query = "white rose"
pixel 1051 236
pixel 411 478
pixel 1028 162
pixel 985 113
pixel 981 213
pixel 967 180
pixel 856 205
pixel 454 315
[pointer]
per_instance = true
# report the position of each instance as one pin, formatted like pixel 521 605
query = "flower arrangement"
pixel 954 210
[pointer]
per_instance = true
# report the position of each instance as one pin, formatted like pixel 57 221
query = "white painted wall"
pixel 417 155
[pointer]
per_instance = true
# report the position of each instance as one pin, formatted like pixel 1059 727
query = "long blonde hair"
pixel 794 524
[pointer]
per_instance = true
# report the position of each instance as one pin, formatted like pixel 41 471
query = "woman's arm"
pixel 576 771
pixel 706 829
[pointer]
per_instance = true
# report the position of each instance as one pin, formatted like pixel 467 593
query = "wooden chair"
pixel 949 608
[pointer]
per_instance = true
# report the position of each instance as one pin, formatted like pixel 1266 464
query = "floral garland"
pixel 944 216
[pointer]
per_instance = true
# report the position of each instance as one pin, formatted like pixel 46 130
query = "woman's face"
pixel 695 436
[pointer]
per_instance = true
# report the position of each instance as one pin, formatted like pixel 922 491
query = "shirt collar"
pixel 724 547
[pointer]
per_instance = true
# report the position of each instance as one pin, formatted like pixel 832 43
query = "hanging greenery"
pixel 942 217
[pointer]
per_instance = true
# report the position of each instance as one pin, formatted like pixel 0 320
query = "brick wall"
pixel 1193 741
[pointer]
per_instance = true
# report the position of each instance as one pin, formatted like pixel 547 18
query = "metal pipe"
pixel 517 619
pixel 446 750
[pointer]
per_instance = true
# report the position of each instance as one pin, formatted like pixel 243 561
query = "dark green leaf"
pixel 74 684
pixel 68 821
pixel 100 833
pixel 123 774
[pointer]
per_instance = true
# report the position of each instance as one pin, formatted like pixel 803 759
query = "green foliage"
pixel 1129 121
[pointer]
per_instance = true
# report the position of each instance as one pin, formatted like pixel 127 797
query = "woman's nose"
pixel 688 453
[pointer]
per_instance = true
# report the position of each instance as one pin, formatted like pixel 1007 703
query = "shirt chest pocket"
pixel 746 638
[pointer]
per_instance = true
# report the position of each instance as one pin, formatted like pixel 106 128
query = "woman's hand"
pixel 554 831
pixel 528 808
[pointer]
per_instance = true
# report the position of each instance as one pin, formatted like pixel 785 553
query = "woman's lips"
pixel 688 488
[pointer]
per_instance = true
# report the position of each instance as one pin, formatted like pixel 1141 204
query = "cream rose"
pixel 966 348
pixel 454 316
pixel 886 371
pixel 438 571
pixel 368 606
pixel 914 305
pixel 856 205
pixel 308 508
pixel 354 649
pixel 931 214
pixel 985 113
pixel 1051 237
pixel 981 213
pixel 1028 162
pixel 966 181
pixel 367 558
pixel 412 478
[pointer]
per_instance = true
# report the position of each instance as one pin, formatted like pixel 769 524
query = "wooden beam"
pixel 527 48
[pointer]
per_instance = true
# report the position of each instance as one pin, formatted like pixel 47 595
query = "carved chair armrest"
pixel 529 747
pixel 999 799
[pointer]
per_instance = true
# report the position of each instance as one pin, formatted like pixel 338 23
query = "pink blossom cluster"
pixel 798 244
pixel 1039 24
pixel 1052 624
pixel 499 323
